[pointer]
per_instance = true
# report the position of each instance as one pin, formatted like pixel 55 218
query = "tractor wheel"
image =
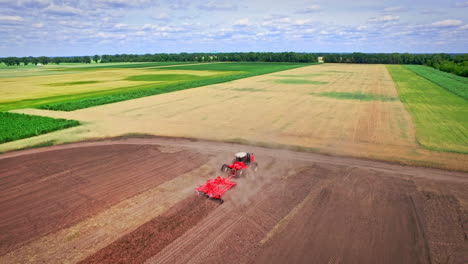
pixel 240 173
pixel 254 167
pixel 225 168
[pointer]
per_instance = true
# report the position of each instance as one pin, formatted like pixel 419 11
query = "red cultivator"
pixel 242 165
pixel 214 188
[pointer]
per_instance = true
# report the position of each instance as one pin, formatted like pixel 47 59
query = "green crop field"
pixel 17 126
pixel 453 83
pixel 440 117
pixel 174 82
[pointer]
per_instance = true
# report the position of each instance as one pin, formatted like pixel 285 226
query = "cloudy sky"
pixel 88 27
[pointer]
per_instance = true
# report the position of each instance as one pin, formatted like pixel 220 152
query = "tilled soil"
pixel 153 236
pixel 299 208
pixel 43 192
pixel 330 214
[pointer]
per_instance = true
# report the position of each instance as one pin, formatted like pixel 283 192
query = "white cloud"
pixel 62 10
pixel 11 19
pixel 38 25
pixel 217 6
pixel 124 3
pixel 106 35
pixel 310 9
pixel 120 26
pixel 301 22
pixel 394 9
pixel 179 4
pixel 159 28
pixel 140 33
pixel 161 16
pixel 34 3
pixel 384 19
pixel 242 22
pixel 447 23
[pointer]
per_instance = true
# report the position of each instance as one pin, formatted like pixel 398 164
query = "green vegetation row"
pixel 358 96
pixel 456 64
pixel 248 68
pixel 17 126
pixel 440 117
pixel 131 65
pixel 166 57
pixel 453 83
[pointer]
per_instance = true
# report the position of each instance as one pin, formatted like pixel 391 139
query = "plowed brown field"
pixel 132 201
pixel 77 183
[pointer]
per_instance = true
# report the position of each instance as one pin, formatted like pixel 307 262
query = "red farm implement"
pixel 242 165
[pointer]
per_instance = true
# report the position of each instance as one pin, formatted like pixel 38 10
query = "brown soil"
pixel 152 237
pixel 44 192
pixel 299 208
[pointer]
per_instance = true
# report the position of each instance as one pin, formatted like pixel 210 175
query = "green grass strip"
pixel 118 97
pixel 453 83
pixel 72 83
pixel 357 96
pixel 104 66
pixel 163 77
pixel 17 126
pixel 439 116
pixel 239 66
pixel 247 89
pixel 299 81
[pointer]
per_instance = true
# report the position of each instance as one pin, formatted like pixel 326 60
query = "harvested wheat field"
pixel 339 109
pixel 131 200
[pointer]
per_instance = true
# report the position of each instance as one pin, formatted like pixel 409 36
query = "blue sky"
pixel 71 27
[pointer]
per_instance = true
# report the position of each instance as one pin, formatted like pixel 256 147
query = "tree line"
pixel 456 64
pixel 17 61
pixel 163 57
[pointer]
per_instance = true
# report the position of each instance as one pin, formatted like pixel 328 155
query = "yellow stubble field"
pixel 284 108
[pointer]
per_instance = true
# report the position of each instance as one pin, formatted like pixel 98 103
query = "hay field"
pixel 298 107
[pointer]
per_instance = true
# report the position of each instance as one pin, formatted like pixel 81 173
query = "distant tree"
pixel 96 58
pixel 44 60
pixel 23 60
pixel 11 61
pixel 57 60
pixel 86 59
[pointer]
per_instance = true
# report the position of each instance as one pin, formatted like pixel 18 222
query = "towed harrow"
pixel 214 188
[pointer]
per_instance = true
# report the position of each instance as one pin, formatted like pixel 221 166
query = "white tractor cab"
pixel 243 157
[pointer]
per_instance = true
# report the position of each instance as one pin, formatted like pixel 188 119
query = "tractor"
pixel 243 165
